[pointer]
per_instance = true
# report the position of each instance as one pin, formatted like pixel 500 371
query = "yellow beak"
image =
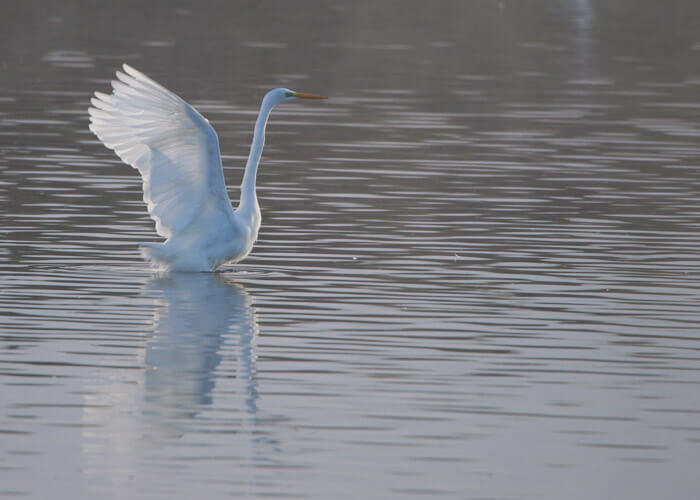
pixel 302 95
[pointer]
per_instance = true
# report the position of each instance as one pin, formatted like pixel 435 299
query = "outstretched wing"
pixel 174 148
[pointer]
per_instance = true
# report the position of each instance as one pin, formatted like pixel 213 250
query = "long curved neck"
pixel 249 200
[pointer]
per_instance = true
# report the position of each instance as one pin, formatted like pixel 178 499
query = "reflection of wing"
pixel 197 313
pixel 174 148
pixel 204 329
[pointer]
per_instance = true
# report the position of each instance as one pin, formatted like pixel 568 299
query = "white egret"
pixel 176 151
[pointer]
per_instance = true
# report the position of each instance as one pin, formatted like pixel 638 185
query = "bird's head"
pixel 281 95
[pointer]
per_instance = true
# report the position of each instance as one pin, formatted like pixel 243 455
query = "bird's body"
pixel 176 151
pixel 216 236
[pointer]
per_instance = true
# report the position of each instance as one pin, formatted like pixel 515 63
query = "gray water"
pixel 477 275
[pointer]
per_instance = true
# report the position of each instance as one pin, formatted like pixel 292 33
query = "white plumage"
pixel 176 151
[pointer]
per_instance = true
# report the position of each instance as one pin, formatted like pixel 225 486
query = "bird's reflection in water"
pixel 198 312
pixel 202 339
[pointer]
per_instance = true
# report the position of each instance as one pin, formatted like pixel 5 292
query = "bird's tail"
pixel 156 253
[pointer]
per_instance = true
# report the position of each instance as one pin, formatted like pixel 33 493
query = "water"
pixel 477 275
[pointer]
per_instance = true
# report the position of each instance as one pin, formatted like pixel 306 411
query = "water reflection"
pixel 203 336
pixel 193 318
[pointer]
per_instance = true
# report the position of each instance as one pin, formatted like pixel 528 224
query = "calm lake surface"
pixel 478 275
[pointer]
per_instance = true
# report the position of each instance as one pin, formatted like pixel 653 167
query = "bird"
pixel 176 151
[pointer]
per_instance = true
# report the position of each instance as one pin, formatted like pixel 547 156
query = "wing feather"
pixel 173 147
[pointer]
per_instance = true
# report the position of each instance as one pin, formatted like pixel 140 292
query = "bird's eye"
pixel 289 94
